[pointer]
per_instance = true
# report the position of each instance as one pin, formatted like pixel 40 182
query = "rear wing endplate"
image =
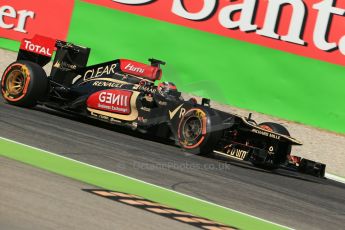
pixel 40 50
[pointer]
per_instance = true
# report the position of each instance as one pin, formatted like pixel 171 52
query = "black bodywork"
pixel 74 87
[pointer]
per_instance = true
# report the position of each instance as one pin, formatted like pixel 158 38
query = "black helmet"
pixel 166 88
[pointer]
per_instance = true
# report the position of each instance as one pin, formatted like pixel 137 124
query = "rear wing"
pixel 71 60
pixel 40 50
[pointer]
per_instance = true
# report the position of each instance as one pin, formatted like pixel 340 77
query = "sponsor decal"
pixel 107 84
pixel 121 117
pixel 116 101
pixel 237 153
pixel 140 69
pixel 99 72
pixel 132 68
pixel 105 118
pixel 101 116
pixel 182 112
pixel 267 134
pixel 115 121
pixel 172 113
pixel 148 89
pixel 23 19
pixel 160 209
pixel 305 27
pixel 40 45
pixel 11 13
pixel 64 66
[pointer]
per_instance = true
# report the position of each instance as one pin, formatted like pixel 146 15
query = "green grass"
pixel 9 44
pixel 113 181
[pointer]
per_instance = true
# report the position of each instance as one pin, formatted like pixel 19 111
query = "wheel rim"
pixel 15 83
pixel 192 129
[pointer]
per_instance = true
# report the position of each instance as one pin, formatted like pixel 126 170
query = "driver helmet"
pixel 166 88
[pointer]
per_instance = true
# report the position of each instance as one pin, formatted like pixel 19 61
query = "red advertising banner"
pixel 23 19
pixel 312 28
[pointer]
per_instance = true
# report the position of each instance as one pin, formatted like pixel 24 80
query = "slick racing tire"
pixel 199 131
pixel 283 150
pixel 24 83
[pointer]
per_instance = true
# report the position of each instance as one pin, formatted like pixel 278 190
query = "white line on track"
pixel 327 175
pixel 335 178
pixel 204 201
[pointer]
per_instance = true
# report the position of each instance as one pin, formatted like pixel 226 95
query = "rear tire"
pixel 24 83
pixel 199 131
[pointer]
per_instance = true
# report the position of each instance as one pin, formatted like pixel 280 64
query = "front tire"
pixel 24 83
pixel 199 131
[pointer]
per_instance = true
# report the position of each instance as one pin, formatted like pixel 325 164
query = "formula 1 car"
pixel 123 92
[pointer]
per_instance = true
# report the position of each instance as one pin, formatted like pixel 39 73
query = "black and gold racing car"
pixel 123 92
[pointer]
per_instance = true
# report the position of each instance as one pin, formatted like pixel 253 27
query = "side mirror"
pixel 156 62
pixel 206 102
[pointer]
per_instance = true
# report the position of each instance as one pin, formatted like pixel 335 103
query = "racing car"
pixel 127 93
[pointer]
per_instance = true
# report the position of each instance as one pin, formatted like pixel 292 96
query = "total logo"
pixel 29 46
pixel 39 45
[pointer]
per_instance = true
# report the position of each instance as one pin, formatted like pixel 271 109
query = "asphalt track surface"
pixel 31 198
pixel 284 197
